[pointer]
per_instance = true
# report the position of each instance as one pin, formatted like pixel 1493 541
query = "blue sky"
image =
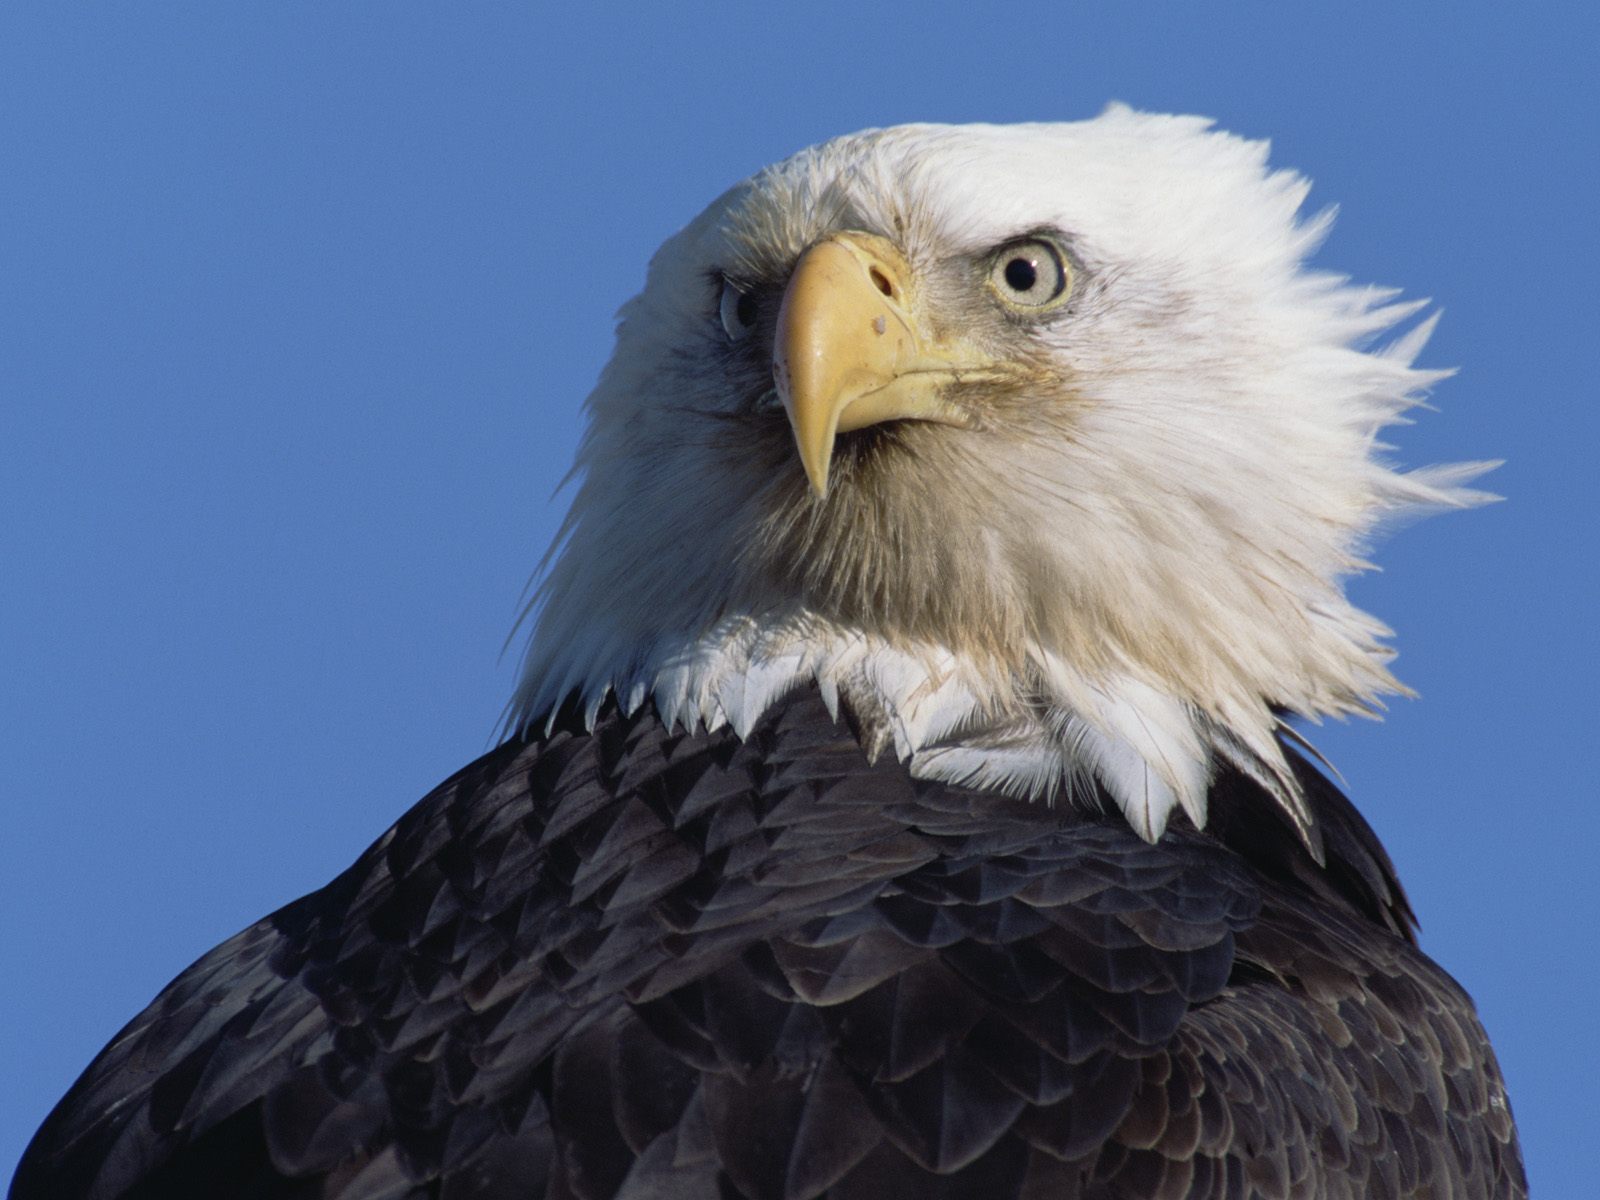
pixel 298 303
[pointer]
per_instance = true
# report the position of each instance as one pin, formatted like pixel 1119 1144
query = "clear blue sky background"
pixel 298 303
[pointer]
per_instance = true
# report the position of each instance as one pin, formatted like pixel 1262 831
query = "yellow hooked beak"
pixel 850 351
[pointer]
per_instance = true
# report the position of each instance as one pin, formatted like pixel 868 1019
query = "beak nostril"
pixel 881 282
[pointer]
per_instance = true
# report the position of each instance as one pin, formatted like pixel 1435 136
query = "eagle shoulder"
pixel 629 961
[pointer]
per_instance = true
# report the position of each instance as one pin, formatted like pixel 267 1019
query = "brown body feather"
pixel 635 963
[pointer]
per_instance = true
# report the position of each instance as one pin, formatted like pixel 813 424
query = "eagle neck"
pixel 1052 737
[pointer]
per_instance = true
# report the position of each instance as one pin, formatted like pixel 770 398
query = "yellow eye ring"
pixel 737 311
pixel 1030 274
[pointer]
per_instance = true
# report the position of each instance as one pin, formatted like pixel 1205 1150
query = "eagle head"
pixel 1037 446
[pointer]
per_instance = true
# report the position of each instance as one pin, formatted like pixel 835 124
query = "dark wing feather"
pixel 638 964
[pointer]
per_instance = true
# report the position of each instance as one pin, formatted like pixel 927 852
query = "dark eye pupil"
pixel 745 310
pixel 1021 274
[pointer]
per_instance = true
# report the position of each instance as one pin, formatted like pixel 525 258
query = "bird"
pixel 904 794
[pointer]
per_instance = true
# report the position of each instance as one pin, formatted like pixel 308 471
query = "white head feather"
pixel 1119 578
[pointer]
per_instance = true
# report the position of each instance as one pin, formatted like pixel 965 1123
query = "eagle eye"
pixel 737 310
pixel 1030 274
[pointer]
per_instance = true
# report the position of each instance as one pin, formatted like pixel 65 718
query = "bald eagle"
pixel 900 799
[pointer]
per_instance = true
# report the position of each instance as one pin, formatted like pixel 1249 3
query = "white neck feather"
pixel 1064 738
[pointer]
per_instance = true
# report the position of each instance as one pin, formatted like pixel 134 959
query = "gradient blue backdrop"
pixel 298 303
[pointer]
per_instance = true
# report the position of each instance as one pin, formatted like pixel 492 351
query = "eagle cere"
pixel 899 800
